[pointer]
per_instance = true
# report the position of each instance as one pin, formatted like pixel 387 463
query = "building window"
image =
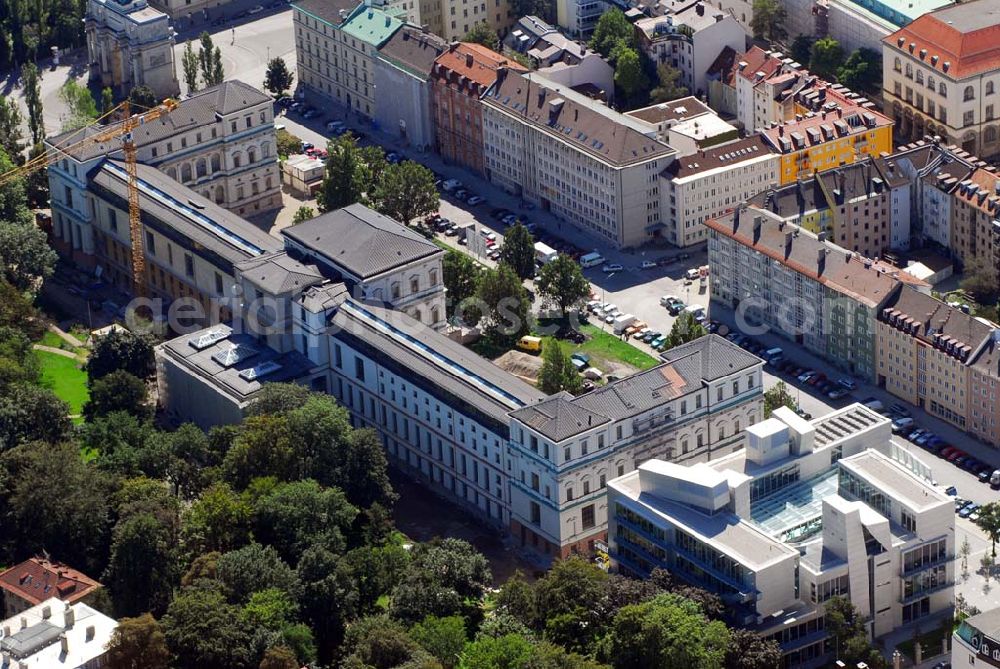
pixel 338 358
pixel 989 88
pixel 112 219
pixel 218 283
pixel 897 65
pixel 968 118
pixel 536 514
pixel 908 521
pixel 943 90
pixel 188 265
pixel 587 516
pixel 968 94
pixel 415 285
pixel 569 493
pixel 150 243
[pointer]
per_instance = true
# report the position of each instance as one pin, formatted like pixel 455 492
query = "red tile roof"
pixel 475 62
pixel 39 578
pixel 757 60
pixel 979 190
pixel 960 41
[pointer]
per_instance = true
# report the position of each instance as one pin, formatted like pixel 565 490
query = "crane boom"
pixel 123 130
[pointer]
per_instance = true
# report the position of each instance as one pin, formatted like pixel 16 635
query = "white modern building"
pixel 592 167
pixel 706 184
pixel 56 634
pixel 130 44
pixel 689 37
pixel 807 511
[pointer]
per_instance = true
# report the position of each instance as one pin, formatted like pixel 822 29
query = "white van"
pixel 591 259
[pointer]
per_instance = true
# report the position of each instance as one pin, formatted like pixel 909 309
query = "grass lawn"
pixel 65 378
pixel 55 341
pixel 603 345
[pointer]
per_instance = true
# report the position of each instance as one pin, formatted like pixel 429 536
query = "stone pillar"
pixel 918 653
pixel 897 660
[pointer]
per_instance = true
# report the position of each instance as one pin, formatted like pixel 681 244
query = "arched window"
pixel 920 76
pixel 172 173
pixel 202 167
pixel 186 172
pixel 435 314
pixel 989 88
pixel 943 90
pixel 220 195
pixel 251 156
pixel 265 150
pixel 909 71
pixel 968 94
pixel 930 82
pixel 990 134
pixel 215 163
pixel 237 159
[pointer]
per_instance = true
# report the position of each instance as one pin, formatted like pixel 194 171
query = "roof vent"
pixel 923 54
pixel 946 65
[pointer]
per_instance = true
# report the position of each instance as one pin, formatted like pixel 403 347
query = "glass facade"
pixel 852 486
pixel 776 480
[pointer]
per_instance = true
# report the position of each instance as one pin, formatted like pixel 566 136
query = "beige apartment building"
pixel 927 351
pixel 941 73
pixel 453 19
pixel 594 168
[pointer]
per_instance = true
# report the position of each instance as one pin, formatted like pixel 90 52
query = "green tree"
pixel 611 29
pixel 778 396
pixel 142 98
pixel 376 570
pixel 989 522
pixel 557 372
pixel 219 520
pixel 329 596
pixel 138 643
pixel 210 61
pixel 685 329
pixel 33 100
pixel 294 516
pixel 629 77
pixel 81 109
pixel 569 602
pixel 749 650
pixel 107 100
pixel 668 89
pixel 278 78
pixel 483 33
pixel 279 398
pixel 255 567
pixel 342 180
pixel 517 599
pixel 54 501
pixel 204 630
pixel 518 251
pixel 506 304
pixel 862 72
pixel 406 191
pixel 768 22
pixel 980 280
pixel 142 569
pixel 303 214
pixel 380 642
pixel 11 136
pixel 846 626
pixel 123 350
pixel 118 391
pixel 441 576
pixel 194 466
pixel 26 257
pixel 31 413
pixel 802 49
pixel 825 57
pixel 665 632
pixel 263 448
pixel 126 445
pixel 460 273
pixel 37 183
pixel 279 657
pixel 444 638
pixel 189 64
pixel 561 281
pixel 288 144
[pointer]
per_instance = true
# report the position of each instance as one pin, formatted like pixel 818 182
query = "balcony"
pixel 927 565
pixel 904 599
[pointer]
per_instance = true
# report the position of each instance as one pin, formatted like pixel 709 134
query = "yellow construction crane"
pixel 101 134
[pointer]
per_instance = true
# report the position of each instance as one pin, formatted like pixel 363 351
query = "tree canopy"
pixel 561 280
pixel 768 22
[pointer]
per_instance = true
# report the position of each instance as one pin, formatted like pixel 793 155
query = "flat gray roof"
pixel 894 480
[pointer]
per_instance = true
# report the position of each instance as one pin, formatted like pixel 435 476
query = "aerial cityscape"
pixel 523 334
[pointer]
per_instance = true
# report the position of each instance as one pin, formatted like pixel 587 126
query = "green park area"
pixel 64 377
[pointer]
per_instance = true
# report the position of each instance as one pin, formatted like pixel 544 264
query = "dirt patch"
pixel 520 364
pixel 421 515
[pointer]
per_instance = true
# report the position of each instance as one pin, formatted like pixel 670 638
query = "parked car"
pixel 460 195
pixel 256 9
pixel 648 264
pixel 613 267
pixel 951 491
pixel 450 185
pixel 805 376
pixel 335 126
pixel 310 113
pixel 475 200
pixel 968 510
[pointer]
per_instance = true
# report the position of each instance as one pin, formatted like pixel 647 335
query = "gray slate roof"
pixel 413 49
pixel 277 273
pixel 419 361
pixel 328 10
pixel 197 111
pixel 361 241
pixel 685 369
pixel 185 211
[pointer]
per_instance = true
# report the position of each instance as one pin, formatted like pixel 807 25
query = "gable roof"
pixel 475 62
pixel 277 273
pixel 932 316
pixel 333 12
pixel 721 155
pixel 372 26
pixel 960 41
pixel 584 124
pixel 199 110
pixel 413 49
pixel 38 578
pixel 361 241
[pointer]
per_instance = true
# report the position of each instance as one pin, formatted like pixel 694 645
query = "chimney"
pixel 69 617
pixel 6 631
pixel 46 612
pixel 64 642
pixel 788 242
pixel 468 60
pixel 699 9
pixel 821 260
pixel 90 633
pixel 24 622
pixel 758 221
